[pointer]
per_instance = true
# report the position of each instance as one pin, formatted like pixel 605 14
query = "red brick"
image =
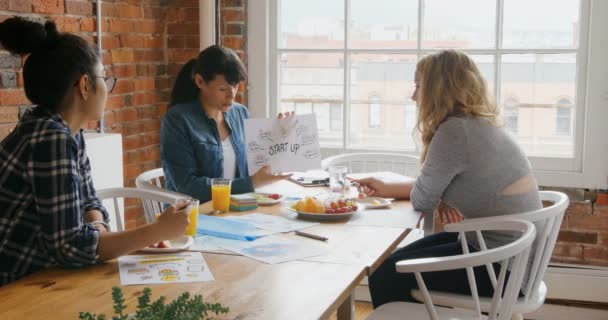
pixel 125 86
pixel 132 128
pixel 134 213
pixel 82 8
pixel 9 114
pixel 67 24
pixel 48 6
pixel 186 3
pixel 133 142
pixel 176 41
pixel 595 253
pixel 568 251
pixel 88 24
pixel 13 97
pixel 233 15
pixel 143 26
pixel 153 42
pixel 231 3
pixel 152 126
pixel 151 138
pixel 233 42
pixel 132 171
pixel 578 208
pixel 20 5
pixel 119 26
pixel 124 71
pixel 126 114
pixel 183 28
pixel 587 223
pixel 152 13
pixel 122 56
pixel 578 237
pixel 600 210
pixel 148 112
pixel 115 102
pixel 132 202
pixel 144 84
pixel 131 40
pixel 182 55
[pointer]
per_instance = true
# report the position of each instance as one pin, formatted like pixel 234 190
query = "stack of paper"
pixel 243 202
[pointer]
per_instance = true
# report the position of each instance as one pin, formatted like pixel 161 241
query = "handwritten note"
pixel 290 144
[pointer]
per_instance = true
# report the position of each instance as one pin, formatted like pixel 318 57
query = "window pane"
pixel 381 88
pixel 384 24
pixel 537 82
pixel 304 25
pixel 540 24
pixel 313 82
pixel 452 24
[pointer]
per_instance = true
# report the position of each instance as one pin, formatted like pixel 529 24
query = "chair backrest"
pixel 514 254
pixel 153 180
pixel 117 194
pixel 375 162
pixel 547 221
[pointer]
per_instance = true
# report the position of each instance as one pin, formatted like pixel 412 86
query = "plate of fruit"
pixel 181 243
pixel 266 199
pixel 330 209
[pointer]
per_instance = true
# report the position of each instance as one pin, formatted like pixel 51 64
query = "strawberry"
pixel 274 196
pixel 163 245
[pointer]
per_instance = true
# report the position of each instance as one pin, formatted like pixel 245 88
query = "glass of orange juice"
pixel 220 194
pixel 193 216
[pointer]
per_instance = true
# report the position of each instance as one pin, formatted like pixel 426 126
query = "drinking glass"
pixel 220 194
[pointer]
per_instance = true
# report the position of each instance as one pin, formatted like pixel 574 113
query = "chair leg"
pixel 517 316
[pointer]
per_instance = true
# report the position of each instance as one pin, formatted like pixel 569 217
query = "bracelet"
pixel 103 223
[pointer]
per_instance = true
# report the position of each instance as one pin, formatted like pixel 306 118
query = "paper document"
pixel 289 144
pixel 228 228
pixel 273 223
pixel 163 268
pixel 276 249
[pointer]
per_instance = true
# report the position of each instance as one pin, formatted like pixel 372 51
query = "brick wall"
pixel 145 42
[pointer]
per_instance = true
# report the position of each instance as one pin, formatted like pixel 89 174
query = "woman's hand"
pixel 372 187
pixel 449 214
pixel 264 176
pixel 173 221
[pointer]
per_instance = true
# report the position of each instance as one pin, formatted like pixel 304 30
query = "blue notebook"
pixel 227 228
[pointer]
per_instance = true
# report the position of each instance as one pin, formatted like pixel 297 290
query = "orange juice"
pixel 220 195
pixel 193 216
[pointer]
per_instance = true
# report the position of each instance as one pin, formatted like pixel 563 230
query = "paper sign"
pixel 289 144
pixel 163 268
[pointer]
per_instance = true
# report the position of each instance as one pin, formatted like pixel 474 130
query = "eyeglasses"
pixel 110 82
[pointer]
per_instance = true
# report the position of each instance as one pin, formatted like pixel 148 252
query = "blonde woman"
pixel 471 168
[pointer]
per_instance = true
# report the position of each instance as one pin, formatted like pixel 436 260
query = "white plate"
pixel 383 203
pixel 326 216
pixel 266 201
pixel 182 243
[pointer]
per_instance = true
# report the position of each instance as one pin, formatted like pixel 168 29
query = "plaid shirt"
pixel 45 190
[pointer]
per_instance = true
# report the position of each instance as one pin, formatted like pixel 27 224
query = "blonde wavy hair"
pixel 449 83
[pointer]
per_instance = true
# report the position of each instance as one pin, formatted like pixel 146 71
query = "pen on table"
pixel 310 235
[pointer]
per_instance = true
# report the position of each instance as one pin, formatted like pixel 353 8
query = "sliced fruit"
pixel 163 245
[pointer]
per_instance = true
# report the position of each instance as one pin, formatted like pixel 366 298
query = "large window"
pixel 345 52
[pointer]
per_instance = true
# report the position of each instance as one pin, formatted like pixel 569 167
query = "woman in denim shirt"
pixel 202 134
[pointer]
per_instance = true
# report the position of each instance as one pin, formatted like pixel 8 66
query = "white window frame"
pixel 588 168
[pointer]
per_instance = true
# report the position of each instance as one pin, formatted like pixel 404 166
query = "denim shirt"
pixel 191 149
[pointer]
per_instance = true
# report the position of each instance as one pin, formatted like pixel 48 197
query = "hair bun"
pixel 22 36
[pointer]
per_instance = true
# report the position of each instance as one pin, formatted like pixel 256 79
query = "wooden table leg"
pixel 346 311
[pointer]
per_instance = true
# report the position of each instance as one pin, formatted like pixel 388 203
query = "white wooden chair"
pixel 514 254
pixel 153 180
pixel 116 195
pixel 547 221
pixel 376 162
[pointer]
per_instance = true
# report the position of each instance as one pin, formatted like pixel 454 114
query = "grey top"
pixel 468 165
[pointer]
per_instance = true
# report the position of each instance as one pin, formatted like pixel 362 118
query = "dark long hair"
pixel 55 63
pixel 214 60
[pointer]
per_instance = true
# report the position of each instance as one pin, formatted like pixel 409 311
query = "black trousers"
pixel 387 285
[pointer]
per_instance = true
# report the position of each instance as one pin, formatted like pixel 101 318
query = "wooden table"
pixel 251 289
pixel 311 289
